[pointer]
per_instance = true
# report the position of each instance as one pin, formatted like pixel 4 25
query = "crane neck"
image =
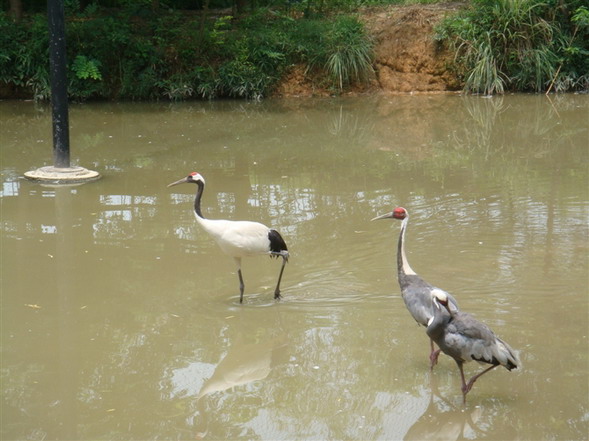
pixel 437 323
pixel 402 262
pixel 199 191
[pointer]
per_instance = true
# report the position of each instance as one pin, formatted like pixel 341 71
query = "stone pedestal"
pixel 62 176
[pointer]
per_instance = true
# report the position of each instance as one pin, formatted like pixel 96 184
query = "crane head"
pixel 397 213
pixel 192 177
pixel 440 298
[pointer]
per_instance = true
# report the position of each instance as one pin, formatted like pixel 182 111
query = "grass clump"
pixel 349 52
pixel 520 45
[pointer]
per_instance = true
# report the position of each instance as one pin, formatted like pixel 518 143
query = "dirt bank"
pixel 407 59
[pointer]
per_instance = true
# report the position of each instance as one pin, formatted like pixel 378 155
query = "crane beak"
pixel 181 181
pixel 384 216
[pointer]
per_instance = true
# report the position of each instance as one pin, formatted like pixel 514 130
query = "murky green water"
pixel 121 318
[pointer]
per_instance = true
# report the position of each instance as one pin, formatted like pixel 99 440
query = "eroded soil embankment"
pixel 407 58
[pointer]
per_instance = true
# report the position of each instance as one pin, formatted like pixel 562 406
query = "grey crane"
pixel 239 238
pixel 464 338
pixel 416 292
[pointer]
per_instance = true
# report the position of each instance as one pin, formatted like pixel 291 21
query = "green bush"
pixel 519 45
pixel 131 53
pixel 24 55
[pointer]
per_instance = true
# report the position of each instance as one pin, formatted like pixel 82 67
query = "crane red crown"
pixel 399 213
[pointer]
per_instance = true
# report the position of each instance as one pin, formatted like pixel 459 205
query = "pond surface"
pixel 121 317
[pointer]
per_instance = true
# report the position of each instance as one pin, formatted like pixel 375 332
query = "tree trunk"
pixel 203 19
pixel 240 6
pixel 16 9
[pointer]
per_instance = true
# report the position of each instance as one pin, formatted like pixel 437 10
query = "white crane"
pixel 464 338
pixel 239 239
pixel 416 292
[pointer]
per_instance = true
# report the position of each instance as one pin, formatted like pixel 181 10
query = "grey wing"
pixel 467 338
pixel 476 341
pixel 418 301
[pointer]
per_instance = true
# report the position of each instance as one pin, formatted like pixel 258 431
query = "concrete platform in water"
pixel 62 176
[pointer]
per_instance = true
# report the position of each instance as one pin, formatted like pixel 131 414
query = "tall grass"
pixel 516 45
pixel 349 52
pixel 484 76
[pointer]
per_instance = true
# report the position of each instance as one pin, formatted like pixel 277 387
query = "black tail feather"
pixel 277 243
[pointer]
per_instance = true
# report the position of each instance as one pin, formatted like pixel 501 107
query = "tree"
pixel 239 6
pixel 16 9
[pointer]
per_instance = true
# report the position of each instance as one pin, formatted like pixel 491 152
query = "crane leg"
pixel 241 285
pixel 464 391
pixel 277 290
pixel 433 356
pixel 466 387
pixel 473 379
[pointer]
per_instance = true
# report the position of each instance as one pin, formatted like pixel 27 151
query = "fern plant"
pixel 86 68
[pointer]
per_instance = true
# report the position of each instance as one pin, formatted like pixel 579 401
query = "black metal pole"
pixel 58 78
